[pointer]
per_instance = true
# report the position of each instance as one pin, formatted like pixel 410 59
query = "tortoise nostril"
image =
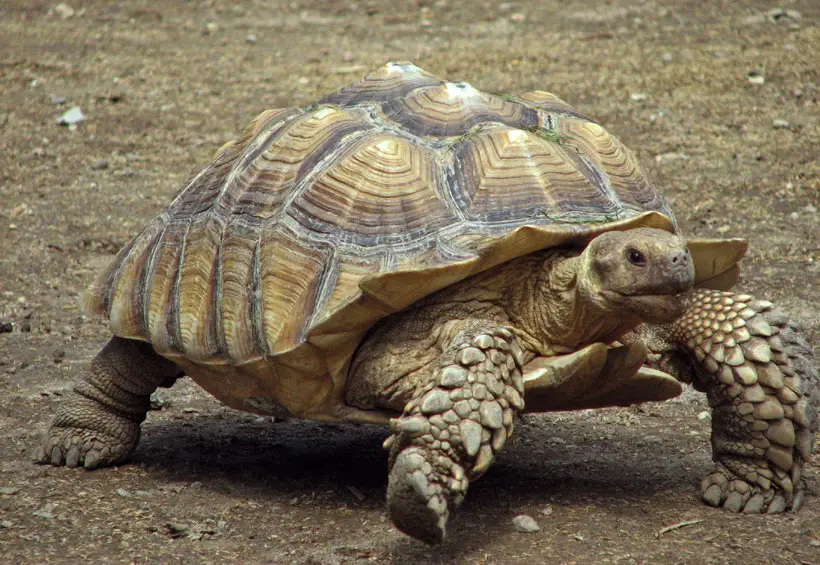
pixel 677 257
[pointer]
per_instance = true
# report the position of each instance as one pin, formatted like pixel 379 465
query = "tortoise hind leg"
pixel 98 424
pixel 452 429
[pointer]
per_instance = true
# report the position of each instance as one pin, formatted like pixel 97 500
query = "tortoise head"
pixel 642 272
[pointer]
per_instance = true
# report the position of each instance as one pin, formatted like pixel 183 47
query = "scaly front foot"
pixel 452 430
pixel 759 376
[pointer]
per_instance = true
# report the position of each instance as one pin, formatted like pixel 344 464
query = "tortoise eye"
pixel 635 257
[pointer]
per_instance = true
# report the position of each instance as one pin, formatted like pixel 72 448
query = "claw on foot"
pixel 722 489
pixel 415 499
pixel 77 447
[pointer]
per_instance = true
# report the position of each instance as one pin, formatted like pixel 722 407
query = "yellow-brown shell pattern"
pixel 400 172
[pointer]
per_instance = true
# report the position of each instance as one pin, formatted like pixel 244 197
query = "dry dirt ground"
pixel 720 99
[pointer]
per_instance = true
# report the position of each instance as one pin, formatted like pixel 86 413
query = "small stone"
pixel 251 39
pixel 6 524
pixel 177 530
pixel 73 115
pixel 525 524
pixel 99 165
pixel 57 100
pixel 672 156
pixel 64 11
pixel 9 491
pixel 639 96
pixel 755 78
pixel 123 493
pixel 780 124
pixel 705 416
pixel 58 356
pixel 436 401
pixel 45 512
pixel 190 410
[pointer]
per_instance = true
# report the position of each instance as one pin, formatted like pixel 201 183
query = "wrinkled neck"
pixel 560 308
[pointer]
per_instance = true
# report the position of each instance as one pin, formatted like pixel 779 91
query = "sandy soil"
pixel 719 99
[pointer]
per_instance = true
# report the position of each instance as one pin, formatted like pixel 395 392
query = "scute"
pixel 273 261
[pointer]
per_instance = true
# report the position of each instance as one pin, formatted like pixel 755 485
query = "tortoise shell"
pixel 269 266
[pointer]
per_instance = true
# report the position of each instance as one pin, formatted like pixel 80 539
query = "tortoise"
pixel 421 254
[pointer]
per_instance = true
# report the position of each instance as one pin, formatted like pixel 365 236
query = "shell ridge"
pixel 605 183
pixel 114 273
pixel 328 278
pixel 257 146
pixel 217 329
pixel 148 275
pixel 173 321
pixel 257 327
pixel 319 167
pixel 446 179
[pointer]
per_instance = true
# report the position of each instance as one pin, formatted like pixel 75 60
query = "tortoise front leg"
pixel 453 428
pixel 758 374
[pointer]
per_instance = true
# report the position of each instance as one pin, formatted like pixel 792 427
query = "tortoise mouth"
pixel 662 306
pixel 630 294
